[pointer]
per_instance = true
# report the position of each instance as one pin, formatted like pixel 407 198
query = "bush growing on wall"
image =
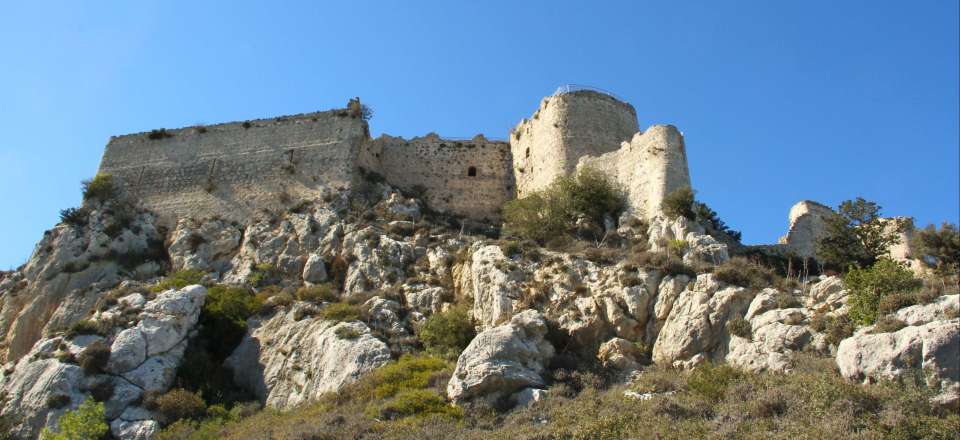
pixel 101 188
pixel 553 212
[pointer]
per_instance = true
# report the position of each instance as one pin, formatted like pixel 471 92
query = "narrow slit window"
pixel 472 171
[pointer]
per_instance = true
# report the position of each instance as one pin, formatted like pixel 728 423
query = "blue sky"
pixel 779 101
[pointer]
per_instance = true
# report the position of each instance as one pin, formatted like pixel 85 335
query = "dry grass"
pixel 718 402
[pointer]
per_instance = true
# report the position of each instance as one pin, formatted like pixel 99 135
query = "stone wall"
pixel 564 128
pixel 650 166
pixel 232 170
pixel 468 178
pixel 806 228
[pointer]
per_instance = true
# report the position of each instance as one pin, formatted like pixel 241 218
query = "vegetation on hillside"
pixel 856 235
pixel 714 401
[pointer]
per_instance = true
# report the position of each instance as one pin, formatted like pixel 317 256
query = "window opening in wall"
pixel 528 151
pixel 472 171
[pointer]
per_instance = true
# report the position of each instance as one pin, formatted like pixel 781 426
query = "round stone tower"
pixel 573 123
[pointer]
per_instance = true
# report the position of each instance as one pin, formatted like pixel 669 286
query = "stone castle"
pixel 232 170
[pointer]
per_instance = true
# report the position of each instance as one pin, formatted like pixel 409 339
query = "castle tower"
pixel 573 123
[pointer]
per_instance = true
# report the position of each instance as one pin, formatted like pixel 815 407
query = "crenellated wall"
pixel 471 178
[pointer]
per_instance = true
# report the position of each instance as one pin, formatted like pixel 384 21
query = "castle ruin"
pixel 234 169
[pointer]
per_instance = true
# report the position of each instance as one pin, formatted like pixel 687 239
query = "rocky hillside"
pixel 390 320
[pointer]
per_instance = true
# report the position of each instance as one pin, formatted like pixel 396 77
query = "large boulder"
pixel 287 359
pixel 503 360
pixel 695 331
pixel 378 260
pixel 931 350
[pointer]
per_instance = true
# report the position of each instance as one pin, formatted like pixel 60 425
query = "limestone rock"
pixel 503 360
pixel 704 248
pixel 528 396
pixel 696 322
pixel 620 354
pixel 285 361
pixel 494 286
pixel 933 349
pixel 314 270
pixel 827 295
pixel 166 320
pixel 32 385
pixel 378 260
pixel 128 351
pixel 209 245
pixel 134 430
pixel 40 374
pixel 69 270
pixel 923 313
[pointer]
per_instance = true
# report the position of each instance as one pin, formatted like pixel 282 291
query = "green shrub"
pixel 711 380
pixel 160 134
pixel 340 312
pixel 938 250
pixel 74 216
pixel 510 248
pixel 84 423
pixel 888 324
pixel 419 403
pixel 709 218
pixel 347 333
pixel 317 294
pixel 264 274
pixel 407 373
pixel 679 203
pixel 742 272
pixel 100 188
pixel 856 235
pixel 446 334
pixel 84 327
pixel 178 280
pixel 869 286
pixel 836 328
pixel 224 316
pixel 94 358
pixel 176 404
pixel 549 214
pixel 740 327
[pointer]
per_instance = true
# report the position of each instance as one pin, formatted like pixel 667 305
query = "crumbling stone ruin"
pixel 235 169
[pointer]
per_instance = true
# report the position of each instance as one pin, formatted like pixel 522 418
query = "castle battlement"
pixel 234 169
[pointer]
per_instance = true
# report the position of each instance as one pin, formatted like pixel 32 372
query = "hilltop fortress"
pixel 234 169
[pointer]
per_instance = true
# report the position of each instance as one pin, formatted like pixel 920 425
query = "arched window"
pixel 472 171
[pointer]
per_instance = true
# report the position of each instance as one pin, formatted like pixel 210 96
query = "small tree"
pixel 868 286
pixel 939 250
pixel 84 423
pixel 856 235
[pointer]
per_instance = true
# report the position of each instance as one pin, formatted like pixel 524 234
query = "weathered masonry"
pixel 233 170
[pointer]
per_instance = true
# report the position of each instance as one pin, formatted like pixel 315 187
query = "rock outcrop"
pixel 142 343
pixel 929 351
pixel 285 361
pixel 503 360
pixel 71 267
pixel 694 330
